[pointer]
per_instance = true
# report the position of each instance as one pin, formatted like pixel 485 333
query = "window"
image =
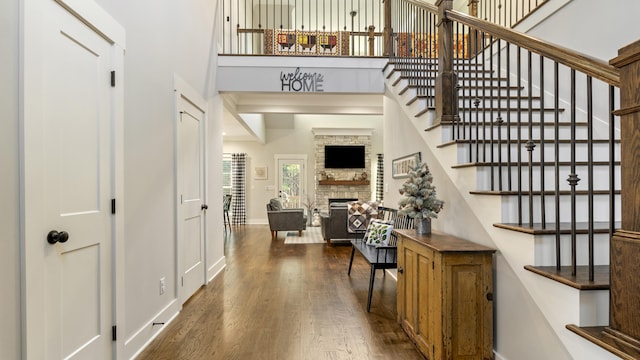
pixel 226 174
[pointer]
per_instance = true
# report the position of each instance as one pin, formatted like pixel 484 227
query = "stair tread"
pixel 418 76
pixel 480 87
pixel 524 141
pixel 600 227
pixel 503 109
pixel 538 192
pixel 599 336
pixel 525 164
pixel 415 67
pixel 580 280
pixel 513 122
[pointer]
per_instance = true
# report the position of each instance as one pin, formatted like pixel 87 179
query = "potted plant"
pixel 420 201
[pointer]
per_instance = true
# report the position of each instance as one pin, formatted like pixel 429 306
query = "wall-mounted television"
pixel 344 157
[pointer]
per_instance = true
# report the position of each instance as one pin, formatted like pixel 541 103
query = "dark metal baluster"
pixel 484 106
pixel 476 103
pixel 469 84
pixel 530 144
pixel 543 217
pixel 491 143
pixel 499 118
pixel 556 132
pixel 612 159
pixel 573 177
pixel 508 72
pixel 466 82
pixel 455 125
pixel 590 172
pixel 519 132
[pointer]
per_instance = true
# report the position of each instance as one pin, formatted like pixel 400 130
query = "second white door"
pixel 191 199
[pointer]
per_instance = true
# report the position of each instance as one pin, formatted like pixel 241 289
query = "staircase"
pixel 500 155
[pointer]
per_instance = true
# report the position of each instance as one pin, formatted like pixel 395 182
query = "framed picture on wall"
pixel 400 167
pixel 260 173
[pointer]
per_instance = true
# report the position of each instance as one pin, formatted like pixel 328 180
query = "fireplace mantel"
pixel 344 182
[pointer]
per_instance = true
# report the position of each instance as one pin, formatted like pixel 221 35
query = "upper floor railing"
pixel 336 27
pixel 303 27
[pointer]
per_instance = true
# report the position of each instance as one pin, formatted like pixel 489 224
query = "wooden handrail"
pixel 429 7
pixel 591 66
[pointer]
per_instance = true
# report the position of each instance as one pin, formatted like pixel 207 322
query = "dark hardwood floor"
pixel 277 301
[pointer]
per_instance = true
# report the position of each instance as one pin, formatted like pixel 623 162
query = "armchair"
pixel 334 224
pixel 285 219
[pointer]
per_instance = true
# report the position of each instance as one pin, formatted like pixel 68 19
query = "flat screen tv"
pixel 344 157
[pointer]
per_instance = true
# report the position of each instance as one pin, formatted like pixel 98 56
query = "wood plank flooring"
pixel 277 301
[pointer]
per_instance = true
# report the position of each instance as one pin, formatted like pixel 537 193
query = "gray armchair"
pixel 334 224
pixel 285 219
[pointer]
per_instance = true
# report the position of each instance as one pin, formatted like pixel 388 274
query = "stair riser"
pixel 545 250
pixel 500 151
pixel 600 177
pixel 600 208
pixel 504 132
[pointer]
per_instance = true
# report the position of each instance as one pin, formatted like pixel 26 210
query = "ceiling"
pixel 236 104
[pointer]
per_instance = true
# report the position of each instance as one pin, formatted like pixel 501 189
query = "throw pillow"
pixel 275 205
pixel 359 213
pixel 378 232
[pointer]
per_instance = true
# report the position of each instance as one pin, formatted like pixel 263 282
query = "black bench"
pixel 380 257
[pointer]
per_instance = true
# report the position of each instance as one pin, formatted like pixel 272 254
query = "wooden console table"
pixel 445 294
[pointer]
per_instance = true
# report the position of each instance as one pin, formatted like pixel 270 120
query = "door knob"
pixel 55 236
pixel 204 207
pixel 400 270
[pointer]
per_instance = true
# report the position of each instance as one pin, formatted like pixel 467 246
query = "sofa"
pixel 334 224
pixel 281 219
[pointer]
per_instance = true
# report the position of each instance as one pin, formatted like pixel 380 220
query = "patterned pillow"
pixel 359 213
pixel 378 232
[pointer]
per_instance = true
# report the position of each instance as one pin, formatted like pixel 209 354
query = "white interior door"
pixel 68 163
pixel 191 180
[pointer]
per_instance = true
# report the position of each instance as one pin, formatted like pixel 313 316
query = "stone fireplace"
pixel 344 183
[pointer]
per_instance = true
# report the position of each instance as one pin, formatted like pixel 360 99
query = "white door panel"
pixel 191 193
pixel 68 165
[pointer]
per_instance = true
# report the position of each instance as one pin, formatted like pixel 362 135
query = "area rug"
pixel 312 235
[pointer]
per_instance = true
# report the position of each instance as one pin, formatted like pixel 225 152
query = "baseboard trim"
pixel 216 269
pixel 139 341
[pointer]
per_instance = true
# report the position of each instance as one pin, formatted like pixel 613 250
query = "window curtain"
pixel 380 179
pixel 238 189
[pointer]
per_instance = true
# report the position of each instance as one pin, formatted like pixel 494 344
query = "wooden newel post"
pixel 447 80
pixel 624 316
pixel 388 45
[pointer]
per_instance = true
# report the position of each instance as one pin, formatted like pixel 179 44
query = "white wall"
pixel 592 27
pixel 9 182
pixel 292 135
pixel 163 39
